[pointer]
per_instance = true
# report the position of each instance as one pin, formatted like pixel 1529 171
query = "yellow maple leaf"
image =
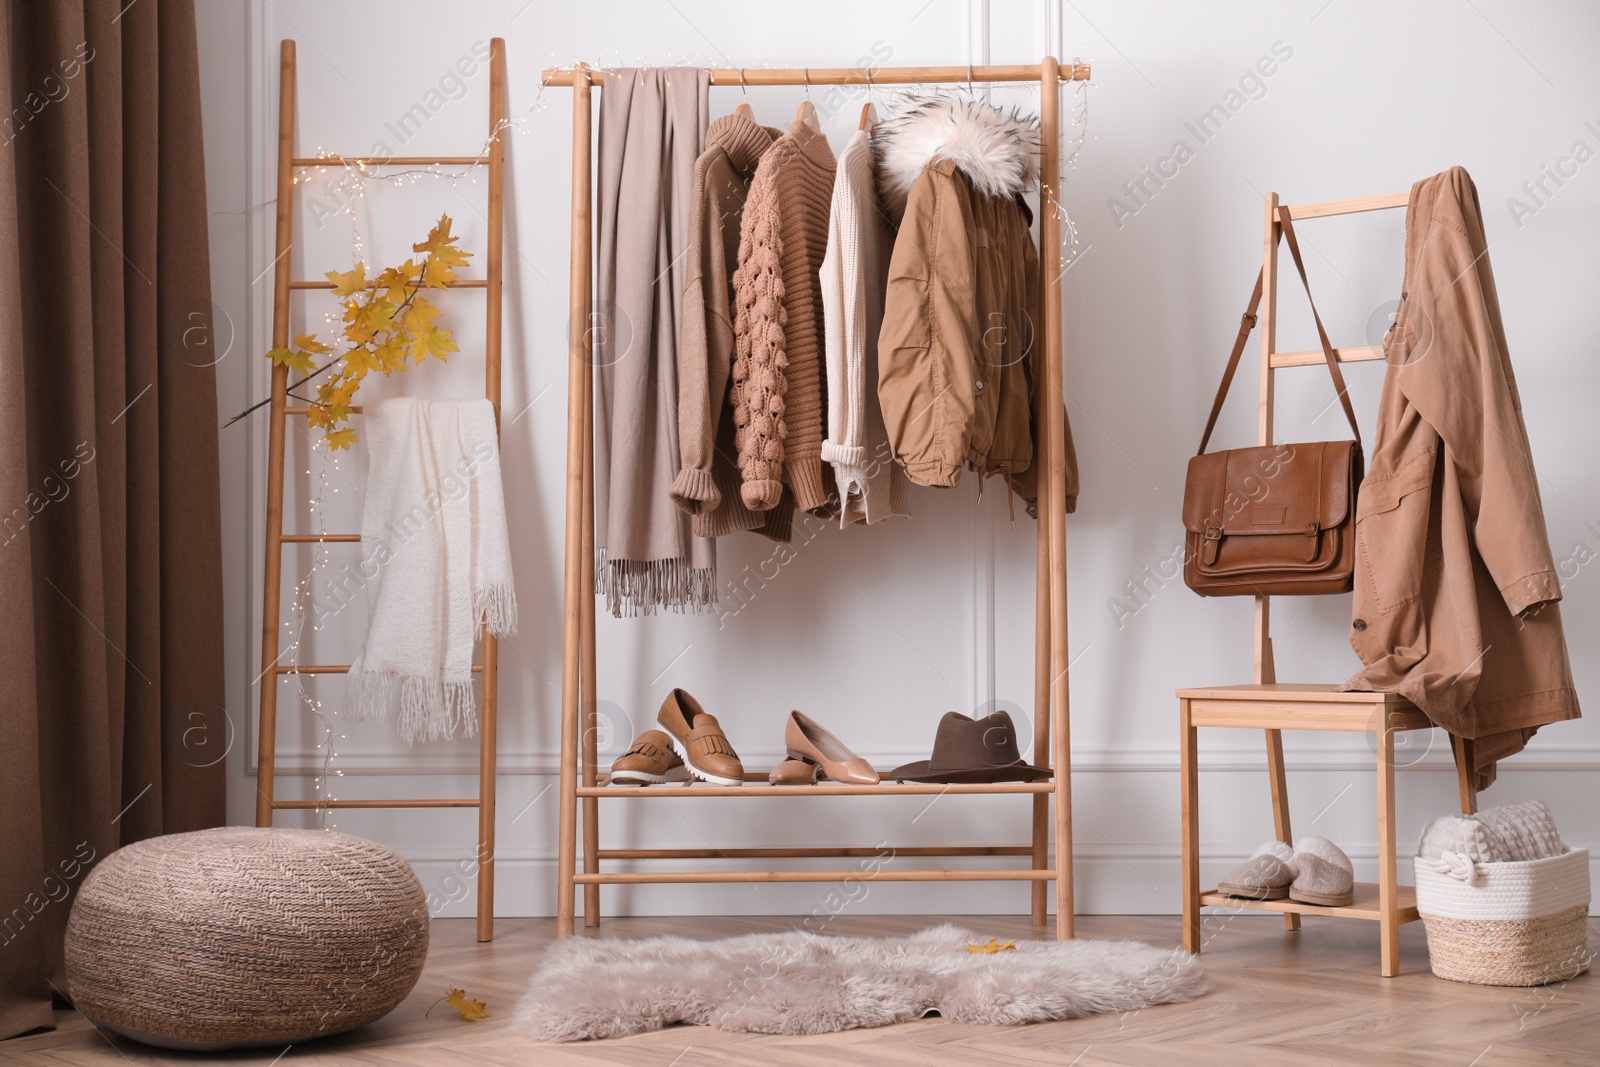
pixel 471 1010
pixel 435 343
pixel 390 354
pixel 419 316
pixel 440 234
pixel 359 360
pixel 350 281
pixel 299 362
pixel 341 439
pixel 437 272
pixel 994 945
pixel 307 342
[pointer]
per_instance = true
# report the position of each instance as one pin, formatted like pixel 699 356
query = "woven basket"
pixel 240 937
pixel 1512 924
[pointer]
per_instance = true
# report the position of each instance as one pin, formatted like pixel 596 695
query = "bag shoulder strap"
pixel 1248 322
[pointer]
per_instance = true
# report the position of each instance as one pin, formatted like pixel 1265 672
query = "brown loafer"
pixel 808 741
pixel 649 761
pixel 699 741
pixel 794 772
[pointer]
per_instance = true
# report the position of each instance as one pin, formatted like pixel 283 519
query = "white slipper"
pixel 1324 874
pixel 1266 875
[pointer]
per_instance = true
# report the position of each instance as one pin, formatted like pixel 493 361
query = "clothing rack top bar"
pixel 747 76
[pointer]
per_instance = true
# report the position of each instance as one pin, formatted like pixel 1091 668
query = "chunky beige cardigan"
pixel 708 483
pixel 778 402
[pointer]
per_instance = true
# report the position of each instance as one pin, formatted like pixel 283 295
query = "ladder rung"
pixel 300 539
pixel 459 283
pixel 1315 357
pixel 392 161
pixel 454 802
pixel 333 668
pixel 305 409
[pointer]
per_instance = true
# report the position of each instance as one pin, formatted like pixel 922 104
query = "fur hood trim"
pixel 997 150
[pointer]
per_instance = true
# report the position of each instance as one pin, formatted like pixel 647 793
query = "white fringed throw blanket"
pixel 436 558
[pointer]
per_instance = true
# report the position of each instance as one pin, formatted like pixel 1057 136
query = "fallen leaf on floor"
pixel 994 945
pixel 471 1010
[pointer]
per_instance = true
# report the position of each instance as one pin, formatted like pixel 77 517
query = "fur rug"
pixel 799 983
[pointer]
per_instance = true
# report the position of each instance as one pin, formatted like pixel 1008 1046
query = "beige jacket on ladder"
pixel 1455 589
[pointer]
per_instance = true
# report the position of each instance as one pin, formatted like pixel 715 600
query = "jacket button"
pixel 1359 624
pixel 978 385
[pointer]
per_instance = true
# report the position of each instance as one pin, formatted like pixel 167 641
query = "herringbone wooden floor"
pixel 1283 1000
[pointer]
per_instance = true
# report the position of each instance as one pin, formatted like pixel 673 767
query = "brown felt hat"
pixel 972 750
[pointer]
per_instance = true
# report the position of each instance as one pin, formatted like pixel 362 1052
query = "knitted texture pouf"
pixel 239 937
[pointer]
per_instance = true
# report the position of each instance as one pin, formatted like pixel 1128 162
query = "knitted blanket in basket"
pixel 436 559
pixel 1511 833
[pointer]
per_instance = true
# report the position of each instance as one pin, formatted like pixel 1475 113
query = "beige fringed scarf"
pixel 652 127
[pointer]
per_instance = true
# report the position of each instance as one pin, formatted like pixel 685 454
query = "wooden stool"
pixel 1275 708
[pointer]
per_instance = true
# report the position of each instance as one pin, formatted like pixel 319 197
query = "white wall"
pixel 877 632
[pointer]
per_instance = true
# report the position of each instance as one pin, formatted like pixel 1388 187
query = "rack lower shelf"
pixel 829 789
pixel 639 878
pixel 1364 906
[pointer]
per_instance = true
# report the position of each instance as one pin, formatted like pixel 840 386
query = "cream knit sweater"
pixel 855 274
pixel 778 402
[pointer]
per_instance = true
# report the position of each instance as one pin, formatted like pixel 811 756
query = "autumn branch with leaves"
pixel 389 325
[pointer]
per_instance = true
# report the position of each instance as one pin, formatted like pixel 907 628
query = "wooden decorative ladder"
pixel 272 672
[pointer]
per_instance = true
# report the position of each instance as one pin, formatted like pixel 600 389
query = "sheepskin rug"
pixel 801 983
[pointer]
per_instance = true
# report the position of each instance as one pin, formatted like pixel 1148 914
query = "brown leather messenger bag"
pixel 1273 519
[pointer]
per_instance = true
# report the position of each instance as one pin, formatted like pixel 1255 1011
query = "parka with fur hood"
pixel 956 353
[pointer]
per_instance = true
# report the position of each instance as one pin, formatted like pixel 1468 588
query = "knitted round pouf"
pixel 237 936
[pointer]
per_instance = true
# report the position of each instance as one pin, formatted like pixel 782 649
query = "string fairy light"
pixel 301 611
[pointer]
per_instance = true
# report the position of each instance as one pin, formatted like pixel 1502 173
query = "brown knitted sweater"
pixel 708 481
pixel 777 391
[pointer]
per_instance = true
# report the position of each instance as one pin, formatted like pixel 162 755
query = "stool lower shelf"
pixel 1364 906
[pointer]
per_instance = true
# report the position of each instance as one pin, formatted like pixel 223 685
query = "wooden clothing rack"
pixel 272 672
pixel 578 674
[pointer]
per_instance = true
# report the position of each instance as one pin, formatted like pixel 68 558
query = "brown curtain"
pixel 112 723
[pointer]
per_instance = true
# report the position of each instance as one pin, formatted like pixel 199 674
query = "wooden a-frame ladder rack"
pixel 1273 707
pixel 272 672
pixel 578 698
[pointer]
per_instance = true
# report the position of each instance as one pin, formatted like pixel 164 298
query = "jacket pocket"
pixel 1392 518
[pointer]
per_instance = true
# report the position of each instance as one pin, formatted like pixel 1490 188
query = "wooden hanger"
pixel 869 116
pixel 807 112
pixel 743 110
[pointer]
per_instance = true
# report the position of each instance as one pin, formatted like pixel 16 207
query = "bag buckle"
pixel 1213 533
pixel 1313 529
pixel 1247 322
